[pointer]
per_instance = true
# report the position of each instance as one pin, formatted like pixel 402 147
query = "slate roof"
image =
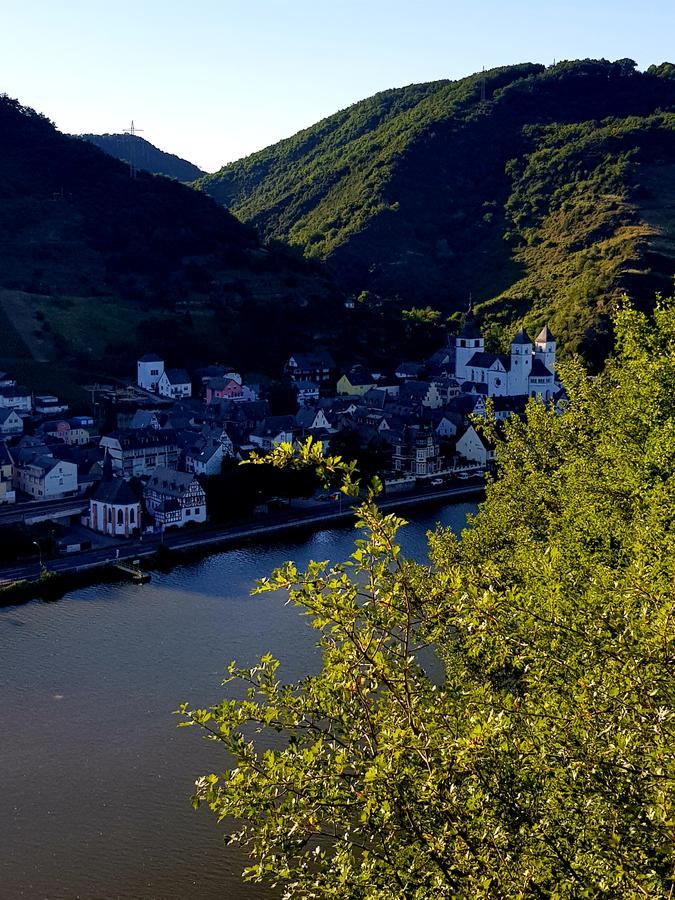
pixel 545 335
pixel 151 357
pixel 359 376
pixel 5 455
pixel 177 376
pixel 170 482
pixel 539 369
pixel 522 337
pixel 6 413
pixel 470 327
pixel 116 492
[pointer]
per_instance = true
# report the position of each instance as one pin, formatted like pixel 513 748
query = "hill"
pixel 97 266
pixel 132 149
pixel 543 192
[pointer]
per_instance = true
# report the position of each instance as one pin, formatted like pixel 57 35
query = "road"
pixel 35 510
pixel 211 536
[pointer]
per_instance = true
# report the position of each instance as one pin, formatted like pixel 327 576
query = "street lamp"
pixel 35 544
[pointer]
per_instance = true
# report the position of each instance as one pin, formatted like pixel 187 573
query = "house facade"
pixel 15 397
pixel 140 452
pixel 474 448
pixel 317 367
pixel 10 423
pixel 174 498
pixel 7 492
pixel 174 383
pixel 43 477
pixel 149 369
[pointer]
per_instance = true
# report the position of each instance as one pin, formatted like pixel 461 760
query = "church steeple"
pixel 468 342
pixel 107 467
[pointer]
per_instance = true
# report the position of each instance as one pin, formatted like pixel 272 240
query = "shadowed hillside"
pixel 97 265
pixel 542 191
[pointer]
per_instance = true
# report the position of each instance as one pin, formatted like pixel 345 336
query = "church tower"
pixel 544 348
pixel 521 364
pixel 467 342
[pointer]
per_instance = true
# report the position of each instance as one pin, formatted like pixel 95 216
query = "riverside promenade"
pixel 208 537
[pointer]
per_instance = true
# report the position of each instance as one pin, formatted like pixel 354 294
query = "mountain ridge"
pixel 131 148
pixel 417 193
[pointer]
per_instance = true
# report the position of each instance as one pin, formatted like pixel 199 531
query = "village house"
pixel 7 492
pixel 49 405
pixel 206 454
pixel 114 507
pixel 312 419
pixel 174 383
pixel 272 431
pixel 174 498
pixel 43 477
pixel 11 423
pixel 317 366
pixel 140 452
pixel 421 393
pixel 475 448
pixel 356 382
pixel 308 392
pixel 13 396
pixel 416 450
pixel 6 380
pixel 223 389
pixel 70 432
pixel 149 369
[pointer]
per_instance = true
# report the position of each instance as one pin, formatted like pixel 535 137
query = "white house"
pixel 139 452
pixel 175 498
pixel 308 392
pixel 209 450
pixel 43 477
pixel 49 405
pixel 174 383
pixel 15 397
pixel 114 508
pixel 473 447
pixel 10 422
pixel 149 369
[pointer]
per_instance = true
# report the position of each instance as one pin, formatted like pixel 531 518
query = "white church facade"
pixel 528 370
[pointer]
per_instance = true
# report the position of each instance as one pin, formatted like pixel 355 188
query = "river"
pixel 95 777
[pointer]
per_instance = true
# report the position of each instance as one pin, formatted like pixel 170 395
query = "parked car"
pixel 436 482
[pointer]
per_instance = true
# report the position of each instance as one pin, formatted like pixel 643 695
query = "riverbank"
pixel 28 580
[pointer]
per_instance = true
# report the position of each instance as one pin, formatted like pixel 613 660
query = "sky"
pixel 214 80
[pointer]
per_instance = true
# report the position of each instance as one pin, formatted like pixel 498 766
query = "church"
pixel 528 370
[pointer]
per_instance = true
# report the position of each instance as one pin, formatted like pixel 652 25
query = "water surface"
pixel 95 777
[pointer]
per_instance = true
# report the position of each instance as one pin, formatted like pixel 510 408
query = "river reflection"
pixel 96 778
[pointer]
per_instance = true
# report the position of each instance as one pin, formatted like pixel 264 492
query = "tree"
pixel 501 723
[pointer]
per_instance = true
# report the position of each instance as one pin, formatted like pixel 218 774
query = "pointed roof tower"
pixel 522 337
pixel 545 336
pixel 107 467
pixel 470 327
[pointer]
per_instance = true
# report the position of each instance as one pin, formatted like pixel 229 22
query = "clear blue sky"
pixel 213 80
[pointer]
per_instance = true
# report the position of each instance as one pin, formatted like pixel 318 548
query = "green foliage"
pixel 531 199
pixel 500 723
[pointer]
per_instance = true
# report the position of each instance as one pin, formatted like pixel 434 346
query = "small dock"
pixel 133 572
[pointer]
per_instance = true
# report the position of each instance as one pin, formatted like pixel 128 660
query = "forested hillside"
pixel 135 150
pixel 97 265
pixel 544 192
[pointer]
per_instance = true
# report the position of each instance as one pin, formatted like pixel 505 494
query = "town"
pixel 150 455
